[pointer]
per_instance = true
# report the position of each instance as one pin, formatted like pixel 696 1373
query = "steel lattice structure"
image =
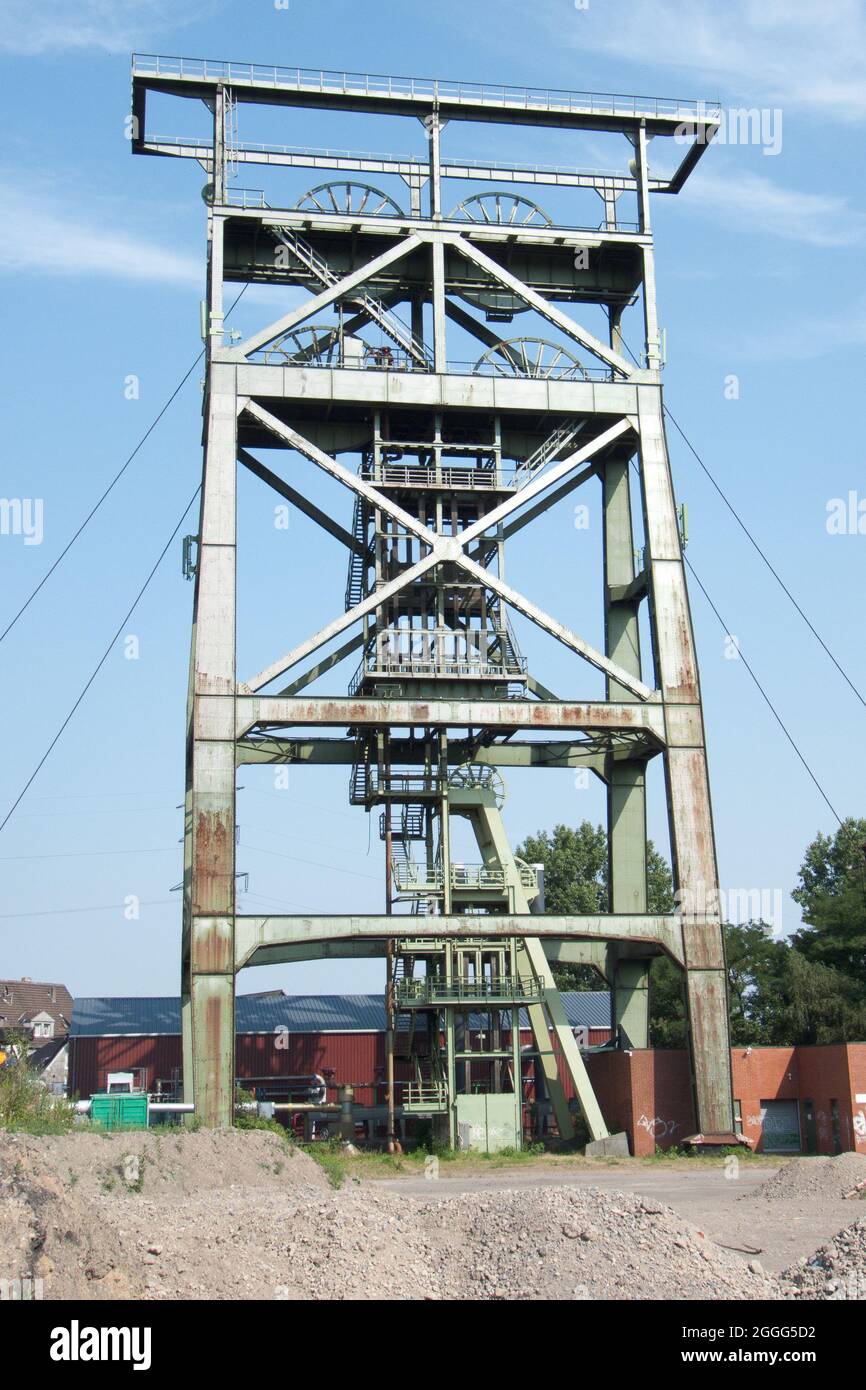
pixel 455 458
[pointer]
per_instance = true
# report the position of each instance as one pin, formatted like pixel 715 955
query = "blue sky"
pixel 760 275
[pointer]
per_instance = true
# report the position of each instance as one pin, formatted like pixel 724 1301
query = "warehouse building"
pixel 283 1043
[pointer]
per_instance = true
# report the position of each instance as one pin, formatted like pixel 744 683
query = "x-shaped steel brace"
pixel 442 549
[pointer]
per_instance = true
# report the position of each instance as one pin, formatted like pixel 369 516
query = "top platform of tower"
pixel 693 122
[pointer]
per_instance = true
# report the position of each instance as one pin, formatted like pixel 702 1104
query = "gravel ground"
pixel 238 1215
pixel 836 1272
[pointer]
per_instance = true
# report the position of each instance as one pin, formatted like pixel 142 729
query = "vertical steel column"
pixel 626 781
pixel 209 982
pixel 693 848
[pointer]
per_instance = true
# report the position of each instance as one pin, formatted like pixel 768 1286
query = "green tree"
pixel 818 1004
pixel 832 894
pixel 756 966
pixel 575 868
pixel 576 883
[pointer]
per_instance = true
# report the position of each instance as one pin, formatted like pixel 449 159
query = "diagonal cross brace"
pixel 556 629
pixel 543 482
pixel 321 301
pixel 540 304
pixel 449 548
pixel 336 470
pixel 302 503
pixel 325 634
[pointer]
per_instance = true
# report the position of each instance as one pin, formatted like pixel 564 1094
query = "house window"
pixel 43 1029
pixel 738 1117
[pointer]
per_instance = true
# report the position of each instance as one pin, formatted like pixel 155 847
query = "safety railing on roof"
pixel 410 877
pixel 379 85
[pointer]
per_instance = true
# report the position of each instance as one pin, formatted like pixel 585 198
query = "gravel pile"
pixel 552 1243
pixel 582 1243
pixel 825 1178
pixel 235 1216
pixel 835 1272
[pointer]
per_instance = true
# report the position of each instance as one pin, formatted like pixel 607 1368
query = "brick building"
pixel 786 1099
pixel 279 1039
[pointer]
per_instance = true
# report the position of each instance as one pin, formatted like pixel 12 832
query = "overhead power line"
pixel 115 480
pixel 775 713
pixel 99 665
pixel 746 532
pixel 774 572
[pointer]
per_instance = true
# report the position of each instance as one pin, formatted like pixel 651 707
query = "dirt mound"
pixel 173 1160
pixel 47 1232
pixel 835 1272
pixel 804 1178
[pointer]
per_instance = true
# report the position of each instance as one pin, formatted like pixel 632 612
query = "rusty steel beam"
pixel 255 932
pixel 272 711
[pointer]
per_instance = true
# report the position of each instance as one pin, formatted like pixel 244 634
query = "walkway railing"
pixel 332 82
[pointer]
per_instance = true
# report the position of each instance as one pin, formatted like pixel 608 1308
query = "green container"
pixel 120 1111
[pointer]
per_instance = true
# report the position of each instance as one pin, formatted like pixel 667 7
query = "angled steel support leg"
pixel 689 810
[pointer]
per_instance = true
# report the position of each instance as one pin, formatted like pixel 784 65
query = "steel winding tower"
pixel 455 457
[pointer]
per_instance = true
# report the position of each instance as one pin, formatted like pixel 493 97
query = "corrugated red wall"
pixel 353 1058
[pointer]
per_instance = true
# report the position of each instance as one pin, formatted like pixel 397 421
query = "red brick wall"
pixel 648 1094
pixel 857 1084
pixel 762 1073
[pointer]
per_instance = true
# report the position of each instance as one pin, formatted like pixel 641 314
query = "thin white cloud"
pixel 789 52
pixel 31 28
pixel 40 236
pixel 754 205
pixel 808 339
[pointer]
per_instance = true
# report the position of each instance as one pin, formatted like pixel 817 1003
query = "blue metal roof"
pixel 100 1018
pixel 299 1013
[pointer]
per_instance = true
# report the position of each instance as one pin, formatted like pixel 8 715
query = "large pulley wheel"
pixel 477 775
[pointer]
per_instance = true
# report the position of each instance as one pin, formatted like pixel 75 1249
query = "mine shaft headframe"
pixel 692 123
pixel 252 403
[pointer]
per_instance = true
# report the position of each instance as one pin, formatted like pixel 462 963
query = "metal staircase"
pixel 390 324
pixel 356 584
pixel 549 449
pixel 428 1092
